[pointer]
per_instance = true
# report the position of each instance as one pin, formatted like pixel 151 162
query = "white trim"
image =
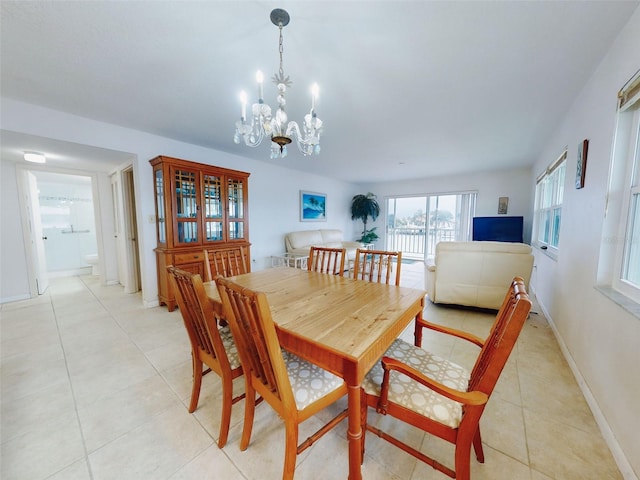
pixel 70 273
pixel 609 437
pixel 17 298
pixel 151 303
pixel 632 159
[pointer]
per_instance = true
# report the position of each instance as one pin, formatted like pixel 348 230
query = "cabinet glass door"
pixel 161 221
pixel 235 215
pixel 213 208
pixel 186 207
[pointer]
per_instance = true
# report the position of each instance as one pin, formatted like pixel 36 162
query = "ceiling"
pixel 62 155
pixel 408 89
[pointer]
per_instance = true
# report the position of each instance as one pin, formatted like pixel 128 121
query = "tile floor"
pixel 95 387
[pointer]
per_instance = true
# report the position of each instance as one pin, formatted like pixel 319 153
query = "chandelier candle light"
pixel 263 124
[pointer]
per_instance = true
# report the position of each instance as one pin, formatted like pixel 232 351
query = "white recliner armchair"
pixel 476 274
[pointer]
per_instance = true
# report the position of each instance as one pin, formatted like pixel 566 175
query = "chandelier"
pixel 263 124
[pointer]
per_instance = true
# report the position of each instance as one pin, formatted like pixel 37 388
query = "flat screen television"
pixel 497 229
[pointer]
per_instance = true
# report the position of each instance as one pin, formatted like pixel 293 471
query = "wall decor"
pixel 581 169
pixel 313 207
pixel 503 205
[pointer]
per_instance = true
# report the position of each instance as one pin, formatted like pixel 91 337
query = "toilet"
pixel 92 259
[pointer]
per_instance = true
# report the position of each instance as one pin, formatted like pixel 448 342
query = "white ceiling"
pixel 408 89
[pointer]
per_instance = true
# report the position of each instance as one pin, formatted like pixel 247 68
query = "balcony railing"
pixel 412 241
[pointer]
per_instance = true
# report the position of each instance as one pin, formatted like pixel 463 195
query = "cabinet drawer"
pixel 181 258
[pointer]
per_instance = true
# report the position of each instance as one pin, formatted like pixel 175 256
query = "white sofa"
pixel 476 274
pixel 301 242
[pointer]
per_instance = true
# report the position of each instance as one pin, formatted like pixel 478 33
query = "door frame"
pixel 34 257
pixel 22 178
pixel 131 243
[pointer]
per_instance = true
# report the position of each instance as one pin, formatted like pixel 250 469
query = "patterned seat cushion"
pixel 229 346
pixel 417 397
pixel 308 381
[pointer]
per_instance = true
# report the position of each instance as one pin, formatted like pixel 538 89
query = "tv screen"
pixel 497 229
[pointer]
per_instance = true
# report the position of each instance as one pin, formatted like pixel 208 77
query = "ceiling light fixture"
pixel 35 157
pixel 263 124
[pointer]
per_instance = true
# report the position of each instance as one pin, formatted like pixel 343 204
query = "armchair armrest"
pixel 474 398
pixel 421 323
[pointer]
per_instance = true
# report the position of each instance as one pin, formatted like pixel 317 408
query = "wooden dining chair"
pixel 295 389
pixel 227 262
pixel 210 345
pixel 377 266
pixel 327 260
pixel 439 396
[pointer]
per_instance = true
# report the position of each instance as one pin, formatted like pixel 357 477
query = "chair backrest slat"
pixel 255 335
pixel 327 260
pixel 501 339
pixel 227 262
pixel 197 312
pixel 377 266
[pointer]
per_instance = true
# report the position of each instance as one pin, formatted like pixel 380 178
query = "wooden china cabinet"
pixel 198 207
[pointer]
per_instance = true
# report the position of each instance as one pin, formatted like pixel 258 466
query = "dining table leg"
pixel 354 432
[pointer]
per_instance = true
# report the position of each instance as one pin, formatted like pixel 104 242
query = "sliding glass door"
pixel 416 224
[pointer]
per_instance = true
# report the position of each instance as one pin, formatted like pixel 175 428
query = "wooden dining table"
pixel 340 324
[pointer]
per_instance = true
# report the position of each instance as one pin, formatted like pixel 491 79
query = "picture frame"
pixel 503 205
pixel 581 167
pixel 313 206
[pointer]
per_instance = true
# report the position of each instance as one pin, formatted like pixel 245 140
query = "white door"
pixel 37 238
pixel 131 232
pixel 121 251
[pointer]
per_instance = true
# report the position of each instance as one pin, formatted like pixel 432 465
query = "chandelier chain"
pixel 281 50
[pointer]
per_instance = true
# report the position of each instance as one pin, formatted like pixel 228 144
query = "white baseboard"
pixel 609 437
pixel 74 272
pixel 17 298
pixel 151 304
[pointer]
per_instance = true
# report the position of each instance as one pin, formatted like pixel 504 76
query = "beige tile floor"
pixel 95 387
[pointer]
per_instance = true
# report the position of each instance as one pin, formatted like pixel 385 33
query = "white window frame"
pixel 548 206
pixel 629 127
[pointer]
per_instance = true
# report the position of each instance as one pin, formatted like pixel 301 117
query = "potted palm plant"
pixel 363 207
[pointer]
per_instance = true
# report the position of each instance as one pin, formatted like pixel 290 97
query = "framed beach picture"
pixel 313 207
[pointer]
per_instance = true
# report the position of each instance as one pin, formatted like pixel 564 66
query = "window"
pixel 548 205
pixel 416 224
pixel 619 262
pixel 627 144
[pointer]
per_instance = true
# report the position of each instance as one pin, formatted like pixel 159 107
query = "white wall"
pixel 514 184
pixel 273 191
pixel 14 282
pixel 601 340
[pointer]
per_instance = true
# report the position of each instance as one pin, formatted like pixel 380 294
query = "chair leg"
pixel 249 410
pixel 417 334
pixel 477 446
pixel 290 449
pixel 463 459
pixel 225 417
pixel 197 382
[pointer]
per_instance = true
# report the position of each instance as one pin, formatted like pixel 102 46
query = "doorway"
pixel 59 224
pixel 131 232
pixel 126 230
